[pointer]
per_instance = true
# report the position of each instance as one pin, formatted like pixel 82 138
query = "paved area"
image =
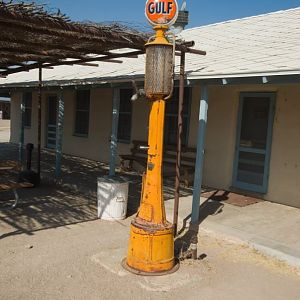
pixel 270 228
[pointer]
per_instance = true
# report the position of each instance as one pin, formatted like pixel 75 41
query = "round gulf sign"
pixel 161 12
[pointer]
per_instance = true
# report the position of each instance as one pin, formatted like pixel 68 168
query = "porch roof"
pixel 264 45
pixel 33 36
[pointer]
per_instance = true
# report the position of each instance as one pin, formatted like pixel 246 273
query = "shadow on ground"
pixel 69 200
pixel 188 236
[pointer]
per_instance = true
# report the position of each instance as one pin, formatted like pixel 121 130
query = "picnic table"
pixel 138 154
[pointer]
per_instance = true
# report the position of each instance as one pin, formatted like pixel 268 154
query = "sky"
pixel 202 12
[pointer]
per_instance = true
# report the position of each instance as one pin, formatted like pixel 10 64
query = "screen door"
pixel 254 139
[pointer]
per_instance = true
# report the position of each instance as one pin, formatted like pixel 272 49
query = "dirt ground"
pixel 82 261
pixel 53 247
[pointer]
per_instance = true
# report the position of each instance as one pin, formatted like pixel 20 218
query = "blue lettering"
pixel 160 8
pixel 170 4
pixel 151 8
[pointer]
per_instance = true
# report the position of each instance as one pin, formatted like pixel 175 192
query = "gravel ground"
pixel 82 261
pixel 53 247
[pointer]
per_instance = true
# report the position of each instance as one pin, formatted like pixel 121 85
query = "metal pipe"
pixel 39 124
pixel 21 138
pixel 179 142
pixel 114 132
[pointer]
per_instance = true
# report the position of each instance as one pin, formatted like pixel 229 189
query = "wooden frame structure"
pixel 31 38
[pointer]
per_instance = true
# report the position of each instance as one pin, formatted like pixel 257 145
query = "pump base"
pixel 150 249
pixel 142 273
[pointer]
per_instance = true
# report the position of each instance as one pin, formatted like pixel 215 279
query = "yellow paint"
pixel 151 251
pixel 151 244
pixel 160 38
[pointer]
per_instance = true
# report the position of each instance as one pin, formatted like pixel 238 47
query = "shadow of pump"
pixel 186 242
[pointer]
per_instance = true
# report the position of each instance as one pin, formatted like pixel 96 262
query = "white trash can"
pixel 112 195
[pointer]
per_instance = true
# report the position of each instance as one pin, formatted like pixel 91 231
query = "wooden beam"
pixel 116 61
pixel 88 64
pixel 72 62
pixel 103 35
pixel 52 43
pixel 26 57
pixel 16 49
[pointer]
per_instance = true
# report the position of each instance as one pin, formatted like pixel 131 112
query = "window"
pixel 82 113
pixel 124 127
pixel 27 102
pixel 171 117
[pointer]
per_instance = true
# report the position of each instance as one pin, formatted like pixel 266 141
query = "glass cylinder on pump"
pixel 159 70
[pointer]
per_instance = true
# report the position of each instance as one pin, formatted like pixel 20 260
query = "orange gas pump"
pixel 151 243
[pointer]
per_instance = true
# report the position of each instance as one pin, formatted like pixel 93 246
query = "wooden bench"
pixel 6 165
pixel 139 155
pixel 11 185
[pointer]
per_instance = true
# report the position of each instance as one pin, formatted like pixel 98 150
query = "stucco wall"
pixel 30 133
pixel 284 179
pixel 284 176
pixel 96 144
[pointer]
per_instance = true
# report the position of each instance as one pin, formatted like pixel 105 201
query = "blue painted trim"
pixel 114 132
pixel 271 79
pixel 237 138
pixel 22 127
pixel 272 112
pixel 59 134
pixel 200 154
pixel 252 150
pixel 250 187
pixel 246 186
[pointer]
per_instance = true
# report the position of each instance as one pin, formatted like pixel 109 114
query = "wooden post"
pixel 21 137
